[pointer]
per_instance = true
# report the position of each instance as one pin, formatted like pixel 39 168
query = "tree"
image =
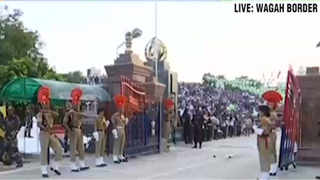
pixel 20 54
pixel 25 67
pixel 221 77
pixel 16 41
pixel 74 77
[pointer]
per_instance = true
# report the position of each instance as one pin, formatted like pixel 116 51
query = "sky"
pixel 200 37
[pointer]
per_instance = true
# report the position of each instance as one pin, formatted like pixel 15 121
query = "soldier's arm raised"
pixel 39 121
pixel 65 121
pixel 266 125
pixel 114 127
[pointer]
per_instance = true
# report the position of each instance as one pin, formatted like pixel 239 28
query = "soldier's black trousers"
pixel 198 136
pixel 187 133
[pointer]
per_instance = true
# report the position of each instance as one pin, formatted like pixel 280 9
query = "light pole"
pixel 135 33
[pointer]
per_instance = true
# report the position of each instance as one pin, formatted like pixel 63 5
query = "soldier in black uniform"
pixel 12 125
pixel 186 117
pixel 198 127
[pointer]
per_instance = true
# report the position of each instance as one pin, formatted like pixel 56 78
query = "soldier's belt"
pixel 42 129
pixel 119 127
pixel 264 135
pixel 49 132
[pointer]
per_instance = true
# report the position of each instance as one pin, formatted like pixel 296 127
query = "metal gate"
pixel 142 131
pixel 290 129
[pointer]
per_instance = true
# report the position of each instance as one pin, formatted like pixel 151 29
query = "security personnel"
pixel 100 134
pixel 198 127
pixel 186 118
pixel 119 122
pixel 12 124
pixel 48 139
pixel 273 138
pixel 175 121
pixel 264 144
pixel 169 114
pixel 73 123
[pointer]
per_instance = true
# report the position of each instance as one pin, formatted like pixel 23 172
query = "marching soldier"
pixel 198 128
pixel 100 134
pixel 273 98
pixel 119 122
pixel 273 138
pixel 169 114
pixel 264 144
pixel 12 124
pixel 73 124
pixel 48 139
pixel 186 118
pixel 174 125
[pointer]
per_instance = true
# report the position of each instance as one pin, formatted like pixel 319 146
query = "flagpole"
pixel 156 34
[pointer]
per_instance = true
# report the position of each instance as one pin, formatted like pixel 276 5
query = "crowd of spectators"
pixel 221 113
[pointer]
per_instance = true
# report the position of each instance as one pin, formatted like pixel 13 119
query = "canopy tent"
pixel 26 89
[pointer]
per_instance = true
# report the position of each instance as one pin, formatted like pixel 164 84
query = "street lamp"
pixel 135 33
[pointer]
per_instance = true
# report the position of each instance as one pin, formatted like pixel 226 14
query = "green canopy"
pixel 26 90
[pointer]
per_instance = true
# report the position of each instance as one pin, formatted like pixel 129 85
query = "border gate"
pixel 142 131
pixel 291 133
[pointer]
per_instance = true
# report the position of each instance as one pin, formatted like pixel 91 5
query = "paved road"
pixel 181 163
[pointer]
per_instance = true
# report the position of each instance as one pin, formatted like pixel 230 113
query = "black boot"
pixel 55 171
pixel 124 160
pixel 273 174
pixel 45 175
pixel 84 168
pixel 101 165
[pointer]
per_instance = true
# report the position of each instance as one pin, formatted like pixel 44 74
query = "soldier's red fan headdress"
pixel 76 95
pixel 44 95
pixel 272 97
pixel 169 104
pixel 120 101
